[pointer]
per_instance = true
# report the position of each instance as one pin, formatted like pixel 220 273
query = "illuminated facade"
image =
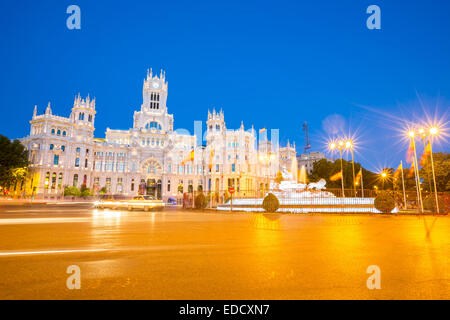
pixel 150 158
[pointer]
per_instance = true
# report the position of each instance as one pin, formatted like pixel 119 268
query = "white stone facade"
pixel 150 158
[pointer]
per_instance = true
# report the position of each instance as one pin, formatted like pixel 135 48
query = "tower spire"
pixel 49 109
pixel 35 111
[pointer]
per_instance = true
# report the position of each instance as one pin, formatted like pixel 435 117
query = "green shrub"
pixel 71 192
pixel 85 192
pixel 271 203
pixel 384 202
pixel 200 201
pixel 429 203
pixel 226 196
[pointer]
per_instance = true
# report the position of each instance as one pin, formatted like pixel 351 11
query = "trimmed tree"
pixel 271 203
pixel 200 201
pixel 384 202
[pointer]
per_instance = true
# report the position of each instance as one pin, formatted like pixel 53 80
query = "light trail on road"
pixel 23 253
pixel 182 254
pixel 42 220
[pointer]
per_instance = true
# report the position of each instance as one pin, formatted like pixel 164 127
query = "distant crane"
pixel 307 143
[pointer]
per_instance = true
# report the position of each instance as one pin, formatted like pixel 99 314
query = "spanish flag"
pixel 211 158
pixel 190 157
pixel 426 154
pixel 336 176
pixel 358 177
pixel 398 171
pixel 262 130
pixel 411 170
pixel 410 153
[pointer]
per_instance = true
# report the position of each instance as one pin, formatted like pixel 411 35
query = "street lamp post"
pixel 349 146
pixel 416 169
pixel 433 132
pixel 339 146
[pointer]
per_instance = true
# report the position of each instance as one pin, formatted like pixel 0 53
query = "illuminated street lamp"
pixel 340 145
pixel 383 175
pixel 433 131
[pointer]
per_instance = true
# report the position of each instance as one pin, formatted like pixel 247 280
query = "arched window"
pixel 53 131
pixel 47 178
pixel 58 132
pixel 53 180
pixel 64 133
pixel 75 180
pixel 51 147
pixel 60 178
pixel 63 148
pixel 153 125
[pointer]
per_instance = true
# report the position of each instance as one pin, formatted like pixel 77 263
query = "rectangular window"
pixel 55 159
pixel 77 162
pixel 233 167
pixel 217 168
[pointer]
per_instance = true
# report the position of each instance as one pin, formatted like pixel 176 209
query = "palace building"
pixel 150 158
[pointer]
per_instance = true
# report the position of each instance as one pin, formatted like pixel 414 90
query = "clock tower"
pixel 153 113
pixel 155 93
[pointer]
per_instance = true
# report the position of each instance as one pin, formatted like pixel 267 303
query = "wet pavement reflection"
pixel 176 254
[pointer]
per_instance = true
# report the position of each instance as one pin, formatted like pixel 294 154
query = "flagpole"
pixel 434 178
pixel 362 184
pixel 416 169
pixel 415 179
pixel 403 184
pixel 353 168
pixel 342 174
pixel 426 159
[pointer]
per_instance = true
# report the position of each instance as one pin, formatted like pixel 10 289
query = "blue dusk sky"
pixel 272 64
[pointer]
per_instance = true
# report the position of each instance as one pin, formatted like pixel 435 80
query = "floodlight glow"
pixel 434 130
